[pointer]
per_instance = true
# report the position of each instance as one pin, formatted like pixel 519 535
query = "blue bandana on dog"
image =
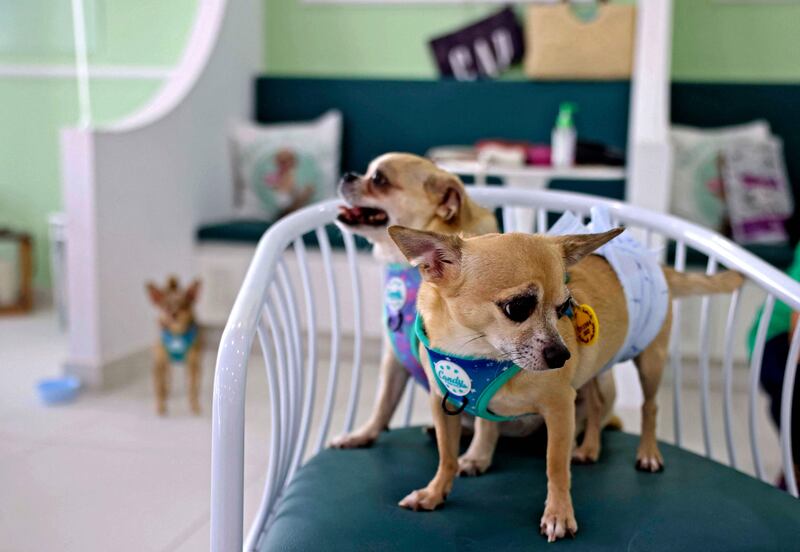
pixel 177 345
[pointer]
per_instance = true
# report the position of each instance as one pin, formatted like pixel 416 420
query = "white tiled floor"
pixel 106 473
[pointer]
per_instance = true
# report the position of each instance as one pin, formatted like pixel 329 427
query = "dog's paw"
pixel 161 409
pixel 558 522
pixel 357 439
pixel 470 466
pixel 585 454
pixel 423 500
pixel 649 459
pixel 196 410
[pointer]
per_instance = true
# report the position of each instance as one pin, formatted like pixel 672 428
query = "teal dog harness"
pixel 468 383
pixel 177 345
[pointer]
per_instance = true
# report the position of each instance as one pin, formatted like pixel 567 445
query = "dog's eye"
pixel 519 309
pixel 565 308
pixel 379 180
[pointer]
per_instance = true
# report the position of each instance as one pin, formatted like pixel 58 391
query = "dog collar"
pixel 177 345
pixel 467 382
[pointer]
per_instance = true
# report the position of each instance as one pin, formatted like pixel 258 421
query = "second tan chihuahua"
pixel 405 189
pixel 402 188
pixel 520 295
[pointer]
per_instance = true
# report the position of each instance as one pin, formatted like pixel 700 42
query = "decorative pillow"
pixel 757 191
pixel 696 184
pixel 278 168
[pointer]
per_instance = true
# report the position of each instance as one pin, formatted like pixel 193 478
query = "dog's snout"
pixel 349 177
pixel 555 356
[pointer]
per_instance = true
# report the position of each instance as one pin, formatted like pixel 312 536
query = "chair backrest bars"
pixel 311 360
pixel 333 298
pixel 705 360
pixel 358 329
pixel 676 363
pixel 268 307
pixel 727 376
pixel 755 374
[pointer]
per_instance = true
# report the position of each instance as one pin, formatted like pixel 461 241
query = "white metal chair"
pixel 274 308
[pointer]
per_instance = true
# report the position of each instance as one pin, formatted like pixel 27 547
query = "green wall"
pixel 712 41
pixel 39 32
pixel 736 42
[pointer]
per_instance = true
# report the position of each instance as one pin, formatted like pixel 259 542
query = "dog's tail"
pixel 614 423
pixel 684 284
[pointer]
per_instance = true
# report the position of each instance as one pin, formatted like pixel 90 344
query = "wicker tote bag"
pixel 559 45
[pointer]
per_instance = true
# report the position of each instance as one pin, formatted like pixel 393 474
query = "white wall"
pixel 649 151
pixel 135 192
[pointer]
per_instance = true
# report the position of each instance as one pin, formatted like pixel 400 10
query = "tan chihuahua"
pixel 180 339
pixel 408 190
pixel 511 290
pixel 401 188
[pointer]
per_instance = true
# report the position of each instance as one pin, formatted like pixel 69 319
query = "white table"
pixel 536 177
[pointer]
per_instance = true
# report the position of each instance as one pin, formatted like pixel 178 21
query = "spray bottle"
pixel 564 137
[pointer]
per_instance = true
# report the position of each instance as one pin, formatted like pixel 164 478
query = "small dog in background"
pixel 180 339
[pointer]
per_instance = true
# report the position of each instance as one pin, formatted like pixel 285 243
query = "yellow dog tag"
pixel 587 327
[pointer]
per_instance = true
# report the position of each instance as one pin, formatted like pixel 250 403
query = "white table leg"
pixel 525 217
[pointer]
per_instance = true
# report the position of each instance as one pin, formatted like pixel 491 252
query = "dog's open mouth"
pixel 363 216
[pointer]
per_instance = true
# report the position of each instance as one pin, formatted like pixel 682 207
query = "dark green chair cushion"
pixel 243 231
pixel 250 231
pixel 346 500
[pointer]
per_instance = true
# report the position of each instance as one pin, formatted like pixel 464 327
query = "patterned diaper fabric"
pixel 639 272
pixel 400 286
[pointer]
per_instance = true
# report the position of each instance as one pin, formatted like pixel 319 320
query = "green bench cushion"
pixel 347 500
pixel 250 231
pixel 242 231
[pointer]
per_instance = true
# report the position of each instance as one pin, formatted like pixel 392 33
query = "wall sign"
pixel 483 49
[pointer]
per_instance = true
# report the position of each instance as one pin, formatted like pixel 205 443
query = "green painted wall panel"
pixel 716 42
pixel 30 181
pixel 358 40
pixel 140 32
pixel 144 32
pixel 713 41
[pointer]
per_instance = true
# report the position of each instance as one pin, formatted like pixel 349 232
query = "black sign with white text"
pixel 483 49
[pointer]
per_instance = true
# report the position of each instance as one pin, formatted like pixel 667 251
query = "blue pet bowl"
pixel 58 390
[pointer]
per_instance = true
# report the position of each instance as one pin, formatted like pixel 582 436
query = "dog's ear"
pixel 448 193
pixel 156 295
pixel 438 256
pixel 575 247
pixel 192 291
